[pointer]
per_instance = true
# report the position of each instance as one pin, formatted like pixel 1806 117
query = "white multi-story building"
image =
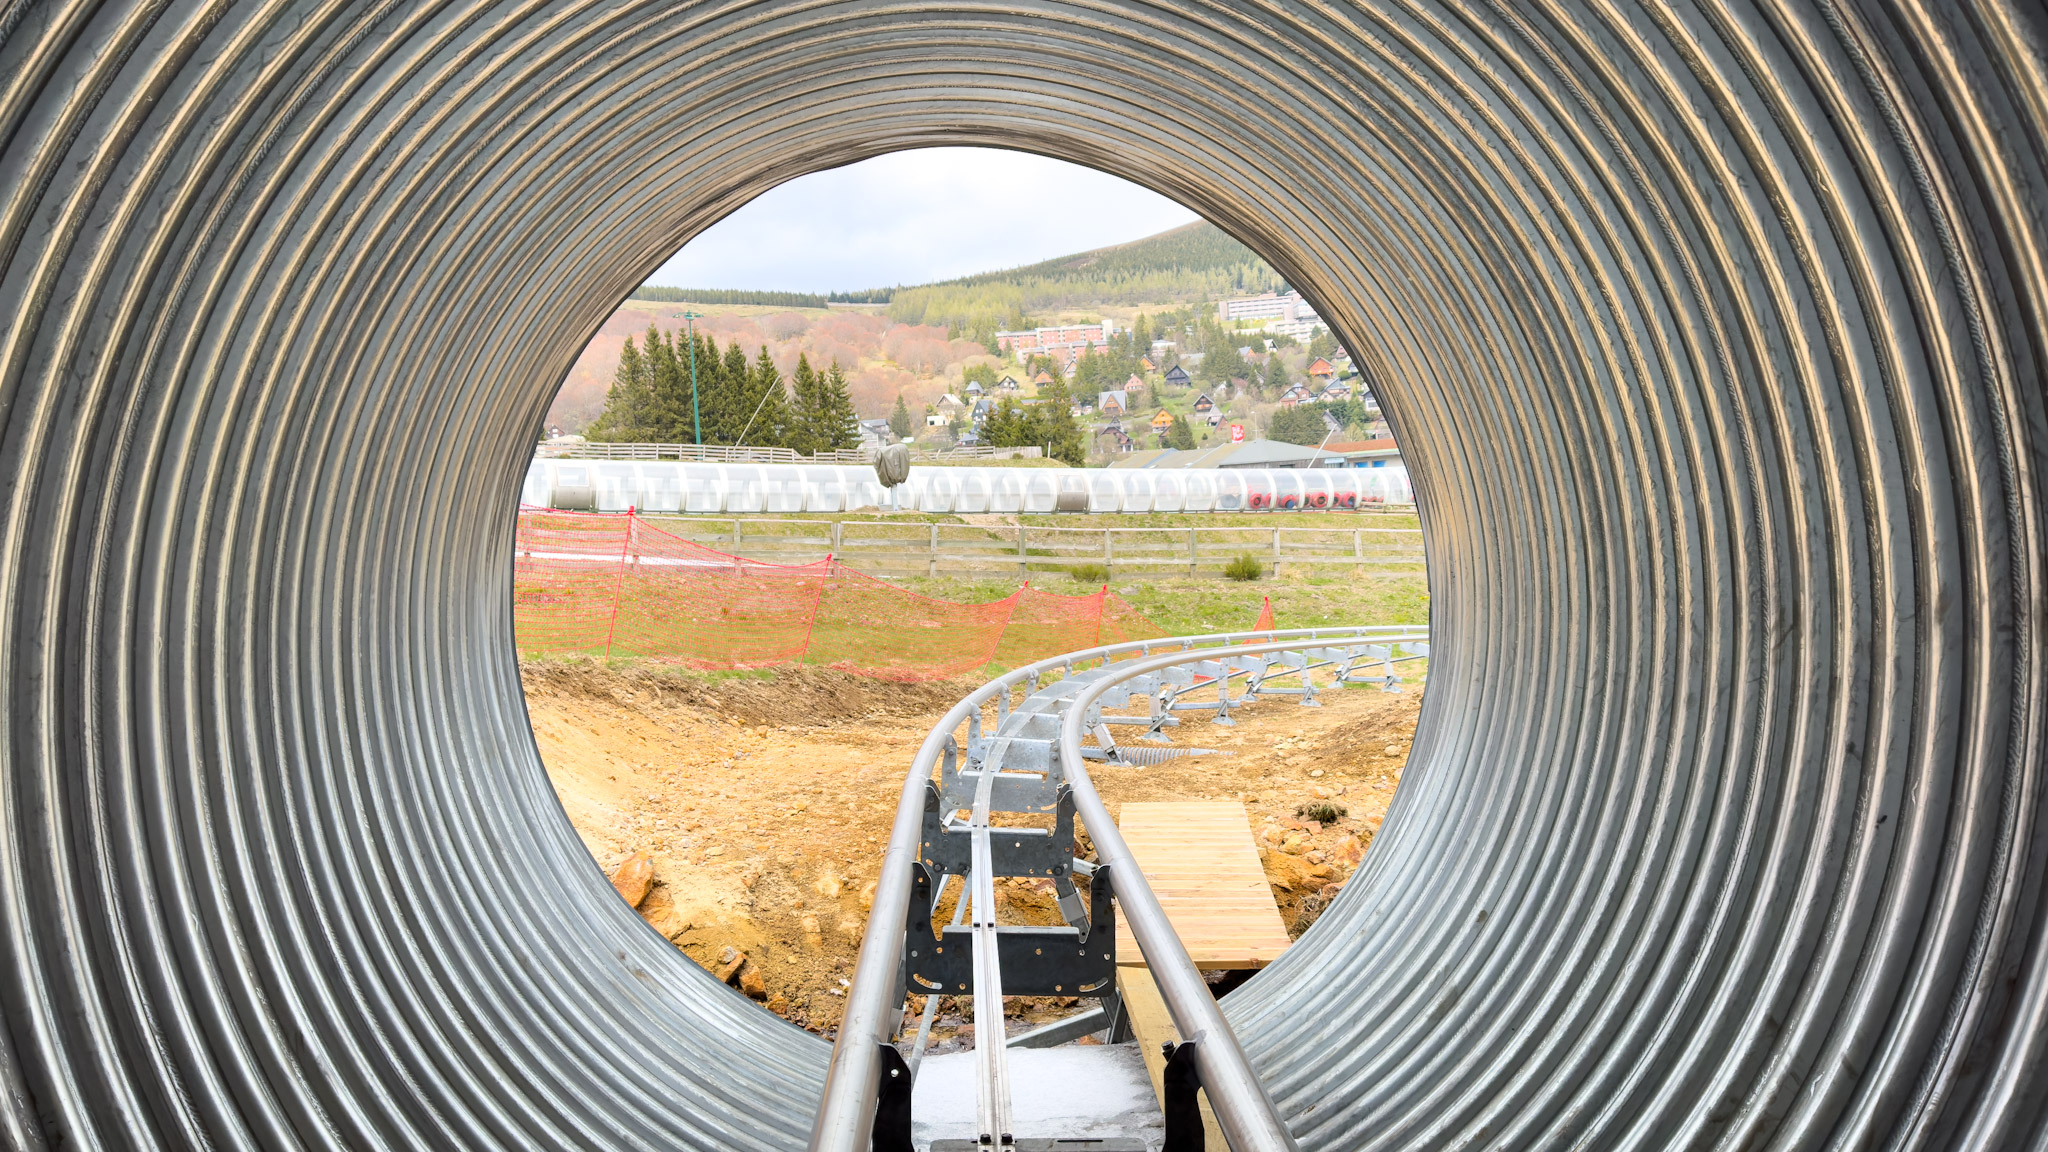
pixel 1303 331
pixel 1282 312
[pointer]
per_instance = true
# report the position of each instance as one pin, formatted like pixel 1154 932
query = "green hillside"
pixel 1195 262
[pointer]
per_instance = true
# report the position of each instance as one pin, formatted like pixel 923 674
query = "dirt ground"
pixel 753 807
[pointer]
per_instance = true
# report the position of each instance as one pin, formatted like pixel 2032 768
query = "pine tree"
pixel 626 406
pixel 668 383
pixel 680 407
pixel 841 426
pixel 806 409
pixel 723 392
pixel 1009 426
pixel 1302 424
pixel 1180 435
pixel 1057 430
pixel 768 419
pixel 899 418
pixel 1276 375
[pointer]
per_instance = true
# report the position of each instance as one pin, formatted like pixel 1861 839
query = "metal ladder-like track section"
pixel 1003 805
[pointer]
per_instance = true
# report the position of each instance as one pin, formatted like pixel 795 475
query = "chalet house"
pixel 1162 421
pixel 948 409
pixel 1007 383
pixel 1135 383
pixel 1177 376
pixel 981 410
pixel 1298 394
pixel 1203 403
pixel 1042 379
pixel 1321 371
pixel 1334 392
pixel 974 388
pixel 1145 364
pixel 1114 403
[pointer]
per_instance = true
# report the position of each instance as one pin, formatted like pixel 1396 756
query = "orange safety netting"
pixel 610 585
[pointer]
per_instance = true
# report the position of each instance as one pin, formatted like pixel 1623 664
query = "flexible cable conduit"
pixel 1713 334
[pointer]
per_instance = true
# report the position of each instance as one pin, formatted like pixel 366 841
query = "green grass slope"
pixel 1195 262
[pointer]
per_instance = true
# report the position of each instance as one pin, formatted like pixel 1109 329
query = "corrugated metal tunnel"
pixel 1713 335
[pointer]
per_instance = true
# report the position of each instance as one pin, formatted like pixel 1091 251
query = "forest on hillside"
pixel 727 296
pixel 1192 263
pixel 679 388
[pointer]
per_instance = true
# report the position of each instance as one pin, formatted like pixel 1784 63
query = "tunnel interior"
pixel 1713 335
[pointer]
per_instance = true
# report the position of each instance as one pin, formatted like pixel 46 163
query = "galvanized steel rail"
pixel 874 1000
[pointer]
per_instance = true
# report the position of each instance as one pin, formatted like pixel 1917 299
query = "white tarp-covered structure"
pixel 771 489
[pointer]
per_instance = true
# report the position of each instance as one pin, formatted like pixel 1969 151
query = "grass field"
pixel 1184 606
pixel 754 525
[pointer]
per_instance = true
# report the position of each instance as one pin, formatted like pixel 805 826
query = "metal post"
pixel 1276 552
pixel 1194 550
pixel 1023 563
pixel 696 421
pixel 1108 557
pixel 932 557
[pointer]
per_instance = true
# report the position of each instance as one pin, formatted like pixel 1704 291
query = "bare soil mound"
pixel 791 696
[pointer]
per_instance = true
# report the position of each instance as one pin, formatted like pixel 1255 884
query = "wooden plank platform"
pixel 1201 862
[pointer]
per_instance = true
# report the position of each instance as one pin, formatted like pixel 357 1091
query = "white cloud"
pixel 913 217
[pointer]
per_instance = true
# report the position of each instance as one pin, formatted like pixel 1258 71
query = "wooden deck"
pixel 1201 862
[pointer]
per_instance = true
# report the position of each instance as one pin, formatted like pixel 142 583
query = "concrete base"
pixel 1093 1092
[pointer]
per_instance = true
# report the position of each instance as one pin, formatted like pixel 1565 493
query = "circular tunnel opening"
pixel 730 648
pixel 1713 334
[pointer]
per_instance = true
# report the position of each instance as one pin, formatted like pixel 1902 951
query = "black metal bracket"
pixel 1183 1110
pixel 1018 851
pixel 1035 961
pixel 892 1104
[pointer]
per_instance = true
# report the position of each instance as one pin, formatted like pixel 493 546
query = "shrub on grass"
pixel 1089 573
pixel 1245 567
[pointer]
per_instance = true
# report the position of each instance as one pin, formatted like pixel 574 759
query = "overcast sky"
pixel 914 217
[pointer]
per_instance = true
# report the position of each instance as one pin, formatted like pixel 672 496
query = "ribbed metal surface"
pixel 1713 334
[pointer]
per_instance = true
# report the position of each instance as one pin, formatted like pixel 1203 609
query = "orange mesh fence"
pixel 1265 621
pixel 1046 624
pixel 565 581
pixel 1121 621
pixel 876 629
pixel 604 585
pixel 685 602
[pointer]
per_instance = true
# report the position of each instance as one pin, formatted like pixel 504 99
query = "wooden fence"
pixel 897 548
